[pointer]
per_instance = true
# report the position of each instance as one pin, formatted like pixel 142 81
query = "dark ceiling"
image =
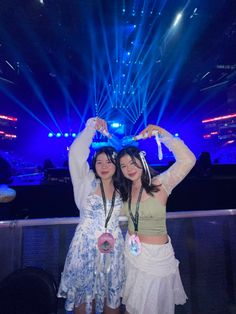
pixel 59 58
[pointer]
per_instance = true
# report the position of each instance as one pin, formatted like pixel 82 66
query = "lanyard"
pixel 135 218
pixel 105 204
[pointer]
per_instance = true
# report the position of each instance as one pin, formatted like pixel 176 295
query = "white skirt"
pixel 153 284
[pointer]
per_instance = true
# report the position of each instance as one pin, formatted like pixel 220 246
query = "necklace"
pixel 134 242
pixel 106 241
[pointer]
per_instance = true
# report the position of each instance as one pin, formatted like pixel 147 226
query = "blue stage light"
pixel 66 134
pixel 177 19
pixel 176 134
pixel 115 125
pixel 73 134
pixel 58 134
pixel 50 134
pixel 97 145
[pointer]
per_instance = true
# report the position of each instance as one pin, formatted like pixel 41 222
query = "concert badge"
pixel 134 245
pixel 106 242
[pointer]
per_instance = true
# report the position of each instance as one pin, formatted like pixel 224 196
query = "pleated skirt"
pixel 153 284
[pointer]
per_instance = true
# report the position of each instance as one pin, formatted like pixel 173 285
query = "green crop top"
pixel 152 217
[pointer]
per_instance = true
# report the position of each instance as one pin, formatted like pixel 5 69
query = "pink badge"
pixel 106 242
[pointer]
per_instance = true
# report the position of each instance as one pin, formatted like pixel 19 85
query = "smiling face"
pixel 131 168
pixel 105 168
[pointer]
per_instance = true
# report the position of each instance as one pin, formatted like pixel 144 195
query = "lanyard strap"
pixel 105 204
pixel 135 218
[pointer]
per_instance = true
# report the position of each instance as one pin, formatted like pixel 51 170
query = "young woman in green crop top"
pixel 153 283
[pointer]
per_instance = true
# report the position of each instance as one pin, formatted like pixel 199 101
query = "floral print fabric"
pixel 89 274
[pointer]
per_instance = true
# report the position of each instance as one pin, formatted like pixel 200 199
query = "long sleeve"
pixel 185 160
pixel 81 175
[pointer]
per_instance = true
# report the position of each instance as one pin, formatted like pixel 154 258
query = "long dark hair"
pixel 126 184
pixel 111 154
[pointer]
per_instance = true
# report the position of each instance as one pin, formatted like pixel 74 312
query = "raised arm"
pixel 184 161
pixel 184 158
pixel 80 173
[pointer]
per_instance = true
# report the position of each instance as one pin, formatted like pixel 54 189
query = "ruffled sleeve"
pixel 185 160
pixel 81 175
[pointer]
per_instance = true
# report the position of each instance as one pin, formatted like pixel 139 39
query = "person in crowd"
pixel 48 164
pixel 7 194
pixel 153 283
pixel 93 276
pixel 203 165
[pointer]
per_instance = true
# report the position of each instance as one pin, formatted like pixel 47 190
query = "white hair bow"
pixel 142 155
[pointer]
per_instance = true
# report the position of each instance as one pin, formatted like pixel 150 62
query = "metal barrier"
pixel 204 243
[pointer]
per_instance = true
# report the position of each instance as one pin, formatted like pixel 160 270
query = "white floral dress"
pixel 88 274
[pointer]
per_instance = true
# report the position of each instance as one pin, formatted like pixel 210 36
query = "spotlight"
pixel 50 134
pixel 58 134
pixel 73 134
pixel 176 134
pixel 177 19
pixel 115 125
pixel 66 134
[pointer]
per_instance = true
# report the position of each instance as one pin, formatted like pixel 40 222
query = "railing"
pixel 204 243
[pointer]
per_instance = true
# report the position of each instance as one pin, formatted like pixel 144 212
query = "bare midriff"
pixel 160 239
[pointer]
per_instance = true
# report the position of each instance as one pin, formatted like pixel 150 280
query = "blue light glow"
pixel 115 125
pixel 177 19
pixel 97 145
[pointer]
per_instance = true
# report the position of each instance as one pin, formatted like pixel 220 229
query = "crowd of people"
pixel 102 269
